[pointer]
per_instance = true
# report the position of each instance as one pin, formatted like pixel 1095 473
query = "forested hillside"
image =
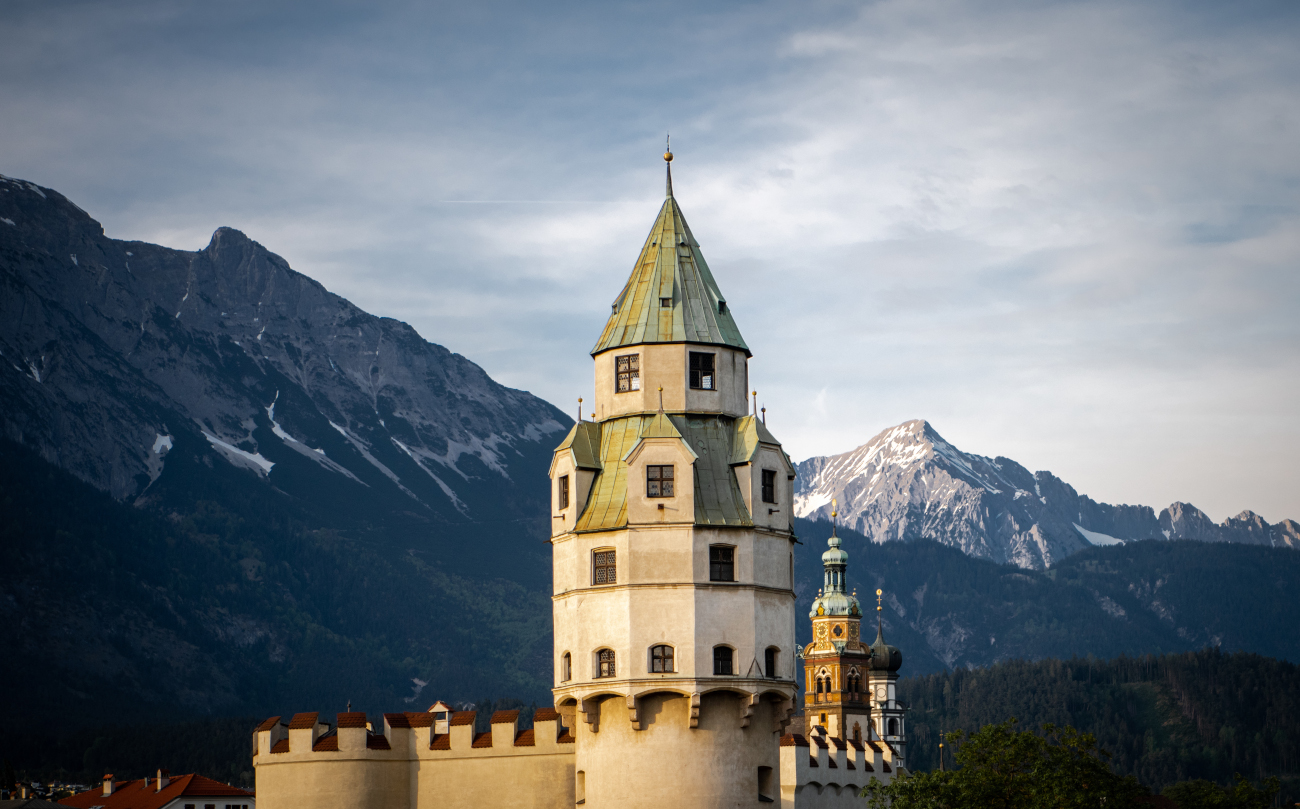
pixel 1164 719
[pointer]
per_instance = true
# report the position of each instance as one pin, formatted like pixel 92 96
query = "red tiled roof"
pixel 463 718
pixel 352 719
pixel 397 720
pixel 820 742
pixel 419 719
pixel 135 795
pixel 376 741
pixel 526 738
pixel 830 761
pixel 503 717
pixel 326 743
pixel 793 740
pixel 812 761
pixel 483 740
pixel 545 714
pixel 441 741
pixel 839 743
pixel 849 764
pixel 874 746
pixel 856 745
pixel 866 767
pixel 302 721
pixel 281 746
pixel 268 724
pixel 565 738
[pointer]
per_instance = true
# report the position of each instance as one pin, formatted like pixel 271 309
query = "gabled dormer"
pixel 764 473
pixel 573 468
pixel 660 475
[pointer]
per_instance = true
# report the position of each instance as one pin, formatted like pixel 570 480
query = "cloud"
pixel 1063 232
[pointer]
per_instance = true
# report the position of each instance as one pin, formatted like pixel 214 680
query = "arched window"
pixel 661 659
pixel 722 660
pixel 857 732
pixel 893 727
pixel 566 668
pixel 769 662
pixel 605 663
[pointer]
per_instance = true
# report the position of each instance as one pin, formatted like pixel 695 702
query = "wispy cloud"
pixel 1064 232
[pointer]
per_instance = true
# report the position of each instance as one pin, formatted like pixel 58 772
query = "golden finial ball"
pixel 668 157
pixel 880 592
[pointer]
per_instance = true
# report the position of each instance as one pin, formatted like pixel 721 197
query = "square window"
pixel 605 568
pixel 661 659
pixel 769 486
pixel 703 376
pixel 659 481
pixel 562 492
pixel 627 372
pixel 722 565
pixel 666 303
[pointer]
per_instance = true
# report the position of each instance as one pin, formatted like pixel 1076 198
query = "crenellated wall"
pixel 408 765
pixel 824 772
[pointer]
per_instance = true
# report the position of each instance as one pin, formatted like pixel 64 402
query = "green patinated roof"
pixel 670 266
pixel 750 432
pixel 584 440
pixel 718 500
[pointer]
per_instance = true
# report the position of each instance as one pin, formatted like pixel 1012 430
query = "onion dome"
pixel 834 599
pixel 883 656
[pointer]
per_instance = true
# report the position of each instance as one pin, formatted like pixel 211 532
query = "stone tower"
pixel 672 552
pixel 887 711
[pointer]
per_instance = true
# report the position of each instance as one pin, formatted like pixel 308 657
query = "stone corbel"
pixel 747 710
pixel 695 709
pixel 784 715
pixel 590 714
pixel 633 714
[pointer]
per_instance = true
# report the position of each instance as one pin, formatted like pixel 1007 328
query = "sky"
pixel 1064 233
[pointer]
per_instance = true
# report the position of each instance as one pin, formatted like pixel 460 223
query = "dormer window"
pixel 702 374
pixel 627 371
pixel 665 303
pixel 722 307
pixel 659 481
pixel 769 486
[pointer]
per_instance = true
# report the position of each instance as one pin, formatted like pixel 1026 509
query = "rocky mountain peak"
pixel 908 482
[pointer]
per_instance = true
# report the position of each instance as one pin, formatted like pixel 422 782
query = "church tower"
pixel 672 541
pixel 850 687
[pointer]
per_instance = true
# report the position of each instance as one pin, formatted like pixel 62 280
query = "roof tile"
pixel 267 724
pixel 545 715
pixel 526 738
pixel 463 718
pixel 377 741
pixel 352 719
pixel 483 739
pixel 504 717
pixel 303 721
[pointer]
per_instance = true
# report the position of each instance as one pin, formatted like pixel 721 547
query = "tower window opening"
pixel 661 659
pixel 857 732
pixel 893 727
pixel 702 371
pixel 722 307
pixel 769 485
pixel 722 563
pixel 765 789
pixel 769 662
pixel 665 303
pixel 606 571
pixel 566 668
pixel 562 492
pixel 627 372
pixel 605 663
pixel 659 481
pixel 722 660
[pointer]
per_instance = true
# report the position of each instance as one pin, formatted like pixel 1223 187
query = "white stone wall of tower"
pixel 667 366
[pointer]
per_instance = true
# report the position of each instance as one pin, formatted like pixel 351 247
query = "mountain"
pixel 225 490
pixel 117 357
pixel 946 610
pixel 908 483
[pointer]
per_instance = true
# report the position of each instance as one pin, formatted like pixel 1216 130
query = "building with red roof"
pixel 191 791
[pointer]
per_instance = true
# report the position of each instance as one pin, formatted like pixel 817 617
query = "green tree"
pixel 1202 794
pixel 1000 767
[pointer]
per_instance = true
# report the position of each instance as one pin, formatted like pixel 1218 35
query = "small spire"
pixel 765 414
pixel 579 409
pixel 834 513
pixel 661 398
pixel 668 158
pixel 755 394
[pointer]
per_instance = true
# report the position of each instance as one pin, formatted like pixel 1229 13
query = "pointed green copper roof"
pixel 670 267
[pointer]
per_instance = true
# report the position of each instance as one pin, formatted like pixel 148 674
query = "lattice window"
pixel 605 663
pixel 562 492
pixel 659 481
pixel 722 659
pixel 605 569
pixel 627 370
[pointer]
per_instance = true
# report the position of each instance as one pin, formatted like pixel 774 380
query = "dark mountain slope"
pixel 946 610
